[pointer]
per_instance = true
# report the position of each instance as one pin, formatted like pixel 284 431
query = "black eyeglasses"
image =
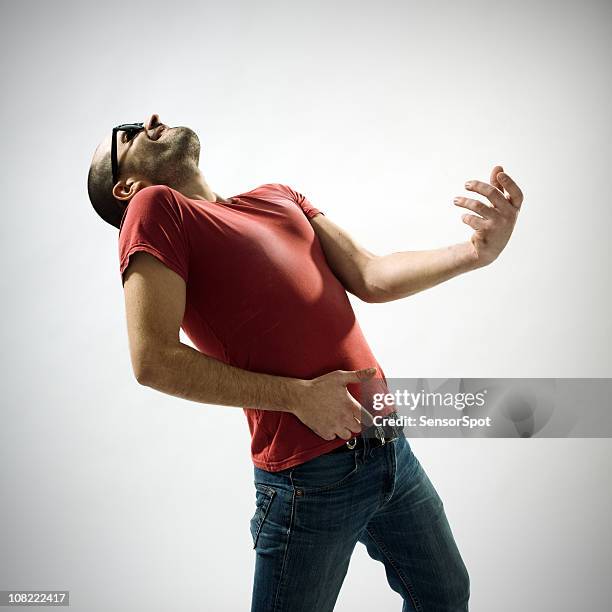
pixel 132 129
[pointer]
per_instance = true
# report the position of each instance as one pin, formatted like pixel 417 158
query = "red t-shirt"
pixel 260 296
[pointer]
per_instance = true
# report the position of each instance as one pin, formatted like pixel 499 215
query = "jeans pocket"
pixel 325 472
pixel 263 498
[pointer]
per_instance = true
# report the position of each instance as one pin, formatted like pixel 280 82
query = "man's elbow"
pixel 374 294
pixel 373 290
pixel 145 366
pixel 366 283
pixel 143 375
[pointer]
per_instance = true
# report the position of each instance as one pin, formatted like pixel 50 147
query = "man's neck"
pixel 197 188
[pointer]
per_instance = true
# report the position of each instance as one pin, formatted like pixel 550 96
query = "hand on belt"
pixel 356 442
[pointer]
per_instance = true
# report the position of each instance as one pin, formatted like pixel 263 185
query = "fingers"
pixel 516 195
pixel 355 424
pixel 476 206
pixel 353 421
pixel 328 437
pixel 365 417
pixel 474 222
pixel 346 421
pixel 345 434
pixel 494 195
pixel 348 429
pixel 494 180
pixel 351 418
pixel 355 376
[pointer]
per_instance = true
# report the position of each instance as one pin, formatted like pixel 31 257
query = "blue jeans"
pixel 309 518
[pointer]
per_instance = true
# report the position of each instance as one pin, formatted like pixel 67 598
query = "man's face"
pixel 159 155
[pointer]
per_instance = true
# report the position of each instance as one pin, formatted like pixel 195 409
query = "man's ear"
pixel 125 190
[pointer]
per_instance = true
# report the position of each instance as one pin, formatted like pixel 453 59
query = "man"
pixel 258 282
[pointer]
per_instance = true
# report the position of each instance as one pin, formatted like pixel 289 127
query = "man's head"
pixel 153 155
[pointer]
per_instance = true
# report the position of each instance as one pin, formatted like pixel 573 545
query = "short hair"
pixel 100 190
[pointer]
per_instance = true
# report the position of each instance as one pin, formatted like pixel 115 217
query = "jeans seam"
pixel 281 578
pixel 402 576
pixel 270 493
pixel 393 460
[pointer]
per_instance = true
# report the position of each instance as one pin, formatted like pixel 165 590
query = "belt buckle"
pixel 393 433
pixel 354 443
pixel 380 436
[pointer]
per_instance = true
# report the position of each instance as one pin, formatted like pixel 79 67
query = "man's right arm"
pixel 155 305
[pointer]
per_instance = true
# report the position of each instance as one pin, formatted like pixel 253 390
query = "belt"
pixel 377 436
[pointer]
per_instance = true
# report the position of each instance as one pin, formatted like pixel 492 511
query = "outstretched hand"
pixel 494 221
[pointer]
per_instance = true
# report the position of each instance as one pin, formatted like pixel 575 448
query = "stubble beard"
pixel 178 162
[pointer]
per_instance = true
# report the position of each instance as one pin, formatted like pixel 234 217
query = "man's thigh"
pixel 411 535
pixel 305 528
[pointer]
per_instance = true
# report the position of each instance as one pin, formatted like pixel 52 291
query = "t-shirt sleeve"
pixel 302 201
pixel 153 223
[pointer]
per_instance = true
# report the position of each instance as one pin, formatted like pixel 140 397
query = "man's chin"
pixel 184 142
pixel 183 132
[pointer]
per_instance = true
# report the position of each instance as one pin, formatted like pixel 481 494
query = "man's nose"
pixel 152 122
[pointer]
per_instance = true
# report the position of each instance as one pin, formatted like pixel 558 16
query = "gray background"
pixel 379 113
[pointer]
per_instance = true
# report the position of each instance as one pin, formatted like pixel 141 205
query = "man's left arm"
pixel 385 278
